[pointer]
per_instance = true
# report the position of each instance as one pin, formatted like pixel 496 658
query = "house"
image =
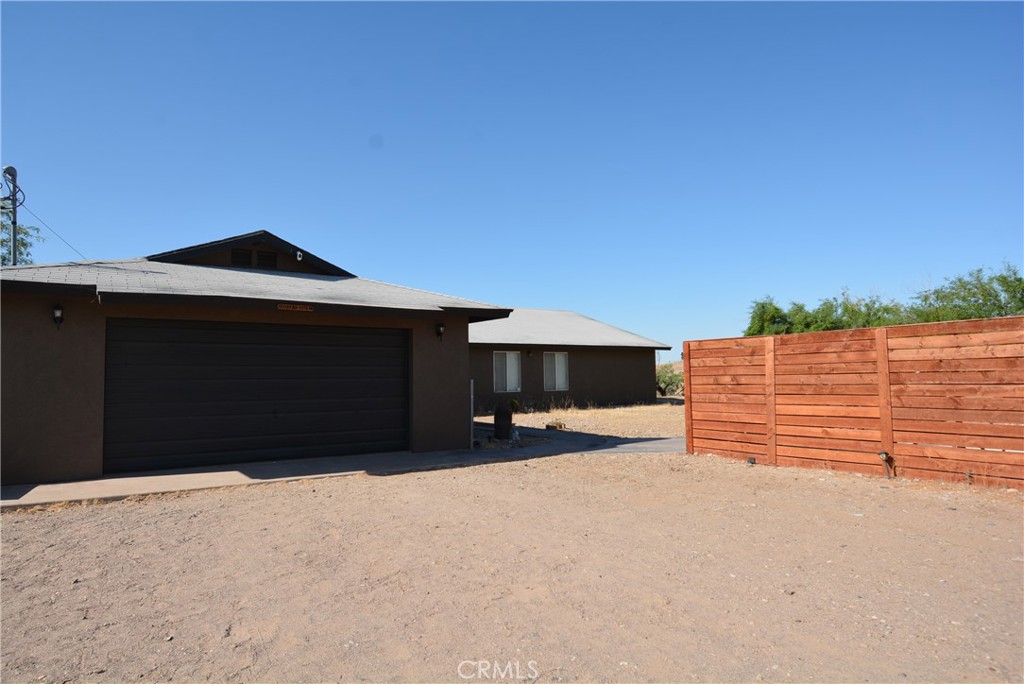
pixel 244 349
pixel 543 358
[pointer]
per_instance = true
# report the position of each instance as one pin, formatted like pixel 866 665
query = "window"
pixel 556 371
pixel 506 372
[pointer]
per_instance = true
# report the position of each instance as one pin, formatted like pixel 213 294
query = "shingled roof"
pixel 556 329
pixel 145 280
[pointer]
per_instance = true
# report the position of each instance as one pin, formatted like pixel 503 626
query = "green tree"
pixel 669 380
pixel 768 318
pixel 28 236
pixel 974 295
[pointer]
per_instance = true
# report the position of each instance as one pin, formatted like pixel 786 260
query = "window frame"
pixel 556 355
pixel 519 372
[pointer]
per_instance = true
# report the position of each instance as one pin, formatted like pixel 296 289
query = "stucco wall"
pixel 51 378
pixel 599 376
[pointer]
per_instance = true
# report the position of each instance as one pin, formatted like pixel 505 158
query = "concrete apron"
pixel 241 474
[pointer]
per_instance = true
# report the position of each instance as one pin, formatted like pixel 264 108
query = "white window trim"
pixel 519 372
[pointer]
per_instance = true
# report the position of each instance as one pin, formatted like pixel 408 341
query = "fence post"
pixel 884 391
pixel 769 398
pixel 687 401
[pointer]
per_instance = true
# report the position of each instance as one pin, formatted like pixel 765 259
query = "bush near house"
pixel 669 380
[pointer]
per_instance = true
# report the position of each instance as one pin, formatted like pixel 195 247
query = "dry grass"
pixel 664 419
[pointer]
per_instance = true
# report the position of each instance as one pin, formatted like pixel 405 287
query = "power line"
pixel 54 232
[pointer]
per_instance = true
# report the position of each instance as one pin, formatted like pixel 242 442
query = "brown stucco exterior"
pixel 599 376
pixel 51 394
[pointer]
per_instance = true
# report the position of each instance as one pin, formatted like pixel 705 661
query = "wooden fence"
pixel 942 400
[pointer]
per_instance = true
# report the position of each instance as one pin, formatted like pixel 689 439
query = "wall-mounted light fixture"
pixel 440 330
pixel 58 314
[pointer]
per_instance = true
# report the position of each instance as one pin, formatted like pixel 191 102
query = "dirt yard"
pixel 582 567
pixel 665 419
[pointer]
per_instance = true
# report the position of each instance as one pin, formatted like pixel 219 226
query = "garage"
pixel 194 393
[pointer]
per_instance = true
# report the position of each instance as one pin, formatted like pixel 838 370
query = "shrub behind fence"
pixel 941 400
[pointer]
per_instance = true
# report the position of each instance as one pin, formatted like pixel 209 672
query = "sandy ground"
pixel 664 419
pixel 599 567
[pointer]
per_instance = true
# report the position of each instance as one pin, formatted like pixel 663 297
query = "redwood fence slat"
pixel 961 340
pixel 944 400
pixel 976 403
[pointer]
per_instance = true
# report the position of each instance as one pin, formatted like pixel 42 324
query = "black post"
pixel 12 177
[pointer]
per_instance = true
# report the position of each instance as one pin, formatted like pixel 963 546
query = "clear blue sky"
pixel 656 166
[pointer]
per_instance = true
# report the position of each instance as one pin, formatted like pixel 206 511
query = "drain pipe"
pixel 884 455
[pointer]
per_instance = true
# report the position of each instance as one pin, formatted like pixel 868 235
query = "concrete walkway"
pixel 135 484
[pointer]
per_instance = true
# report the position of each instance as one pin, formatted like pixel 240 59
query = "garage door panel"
pixel 224 372
pixel 212 333
pixel 214 391
pixel 283 445
pixel 241 426
pixel 170 409
pixel 195 393
pixel 285 356
pixel 193 457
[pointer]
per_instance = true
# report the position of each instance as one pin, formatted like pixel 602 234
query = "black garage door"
pixel 185 393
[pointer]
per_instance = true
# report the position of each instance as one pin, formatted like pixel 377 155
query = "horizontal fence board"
pixel 731 389
pixel 712 445
pixel 940 439
pixel 832 358
pixel 787 348
pixel 981 480
pixel 1001 363
pixel 935 390
pixel 731 454
pixel 958 327
pixel 729 417
pixel 831 336
pixel 719 398
pixel 718 361
pixel 962 415
pixel 834 399
pixel 958 340
pixel 727 370
pixel 812 368
pixel 976 403
pixel 732 426
pixel 699 380
pixel 838 455
pixel 994 377
pixel 729 343
pixel 833 421
pixel 758 409
pixel 869 434
pixel 947 465
pixel 744 437
pixel 943 399
pixel 755 352
pixel 826 410
pixel 949 427
pixel 831 444
pixel 959 454
pixel 796 390
pixel 982 352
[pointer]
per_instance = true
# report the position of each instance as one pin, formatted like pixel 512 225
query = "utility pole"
pixel 11 176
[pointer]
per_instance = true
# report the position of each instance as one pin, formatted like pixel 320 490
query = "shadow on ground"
pixel 540 444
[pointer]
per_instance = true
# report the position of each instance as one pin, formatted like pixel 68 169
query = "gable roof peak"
pixel 248 240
